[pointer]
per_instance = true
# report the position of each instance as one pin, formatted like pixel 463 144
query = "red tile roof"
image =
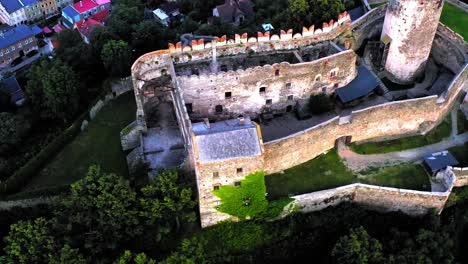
pixel 101 16
pixel 85 26
pixel 84 5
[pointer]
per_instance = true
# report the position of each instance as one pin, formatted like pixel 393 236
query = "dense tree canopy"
pixel 117 58
pixel 357 248
pixel 53 90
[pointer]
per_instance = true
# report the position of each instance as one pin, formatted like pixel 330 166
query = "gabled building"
pixel 17 42
pixel 166 12
pixel 234 11
pixel 87 25
pixel 15 12
pixel 82 10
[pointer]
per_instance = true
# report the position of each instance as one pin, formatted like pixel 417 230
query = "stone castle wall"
pixel 379 198
pixel 415 116
pixel 226 175
pixel 462 176
pixel 282 84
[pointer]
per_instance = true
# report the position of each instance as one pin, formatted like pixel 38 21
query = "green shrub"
pixel 320 103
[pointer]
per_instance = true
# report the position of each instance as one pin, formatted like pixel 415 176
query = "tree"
pixel 31 242
pixel 149 35
pixel 357 247
pixel 129 258
pixel 122 18
pixel 166 199
pixel 298 9
pixel 100 36
pixel 99 214
pixel 53 90
pixel 116 56
pixel 191 251
pixel 9 130
pixel 320 103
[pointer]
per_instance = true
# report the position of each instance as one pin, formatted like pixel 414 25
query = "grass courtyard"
pixel 328 171
pixel 456 19
pixel 98 144
pixel 435 135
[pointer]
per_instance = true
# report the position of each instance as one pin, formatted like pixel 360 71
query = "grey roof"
pixel 440 160
pixel 231 9
pixel 169 7
pixel 11 87
pixel 364 83
pixel 226 140
pixel 356 13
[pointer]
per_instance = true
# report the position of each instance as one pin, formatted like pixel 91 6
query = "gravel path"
pixel 358 162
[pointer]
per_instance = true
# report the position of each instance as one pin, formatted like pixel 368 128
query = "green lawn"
pixel 377 5
pixel 462 122
pixel 98 144
pixel 436 135
pixel 455 19
pixel 461 154
pixel 407 176
pixel 327 171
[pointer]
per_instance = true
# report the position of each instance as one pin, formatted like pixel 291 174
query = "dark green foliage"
pixel 357 248
pixel 116 56
pixel 320 103
pixel 53 90
pixel 21 176
pixel 13 128
pixel 129 258
pixel 149 36
pixel 31 242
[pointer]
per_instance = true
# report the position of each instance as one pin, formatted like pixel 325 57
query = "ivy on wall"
pixel 248 200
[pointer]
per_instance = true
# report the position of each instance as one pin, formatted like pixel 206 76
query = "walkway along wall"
pixel 415 116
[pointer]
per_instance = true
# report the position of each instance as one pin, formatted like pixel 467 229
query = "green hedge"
pixel 24 174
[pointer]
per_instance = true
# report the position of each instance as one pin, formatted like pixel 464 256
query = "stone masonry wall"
pixel 462 176
pixel 413 116
pixel 378 198
pixel 227 175
pixel 283 84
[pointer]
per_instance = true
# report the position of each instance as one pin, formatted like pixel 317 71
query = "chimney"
pixel 81 3
pixel 207 122
pixel 241 121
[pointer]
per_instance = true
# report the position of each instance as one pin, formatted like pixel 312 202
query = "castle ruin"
pixel 225 108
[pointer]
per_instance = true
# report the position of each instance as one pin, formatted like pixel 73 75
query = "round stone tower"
pixel 408 33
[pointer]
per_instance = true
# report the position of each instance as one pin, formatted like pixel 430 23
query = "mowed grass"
pixel 456 19
pixel 407 176
pixel 98 144
pixel 328 171
pixel 435 135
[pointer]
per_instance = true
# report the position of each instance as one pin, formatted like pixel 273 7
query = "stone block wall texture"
pixel 227 175
pixel 280 81
pixel 461 176
pixel 374 197
pixel 411 25
pixel 413 116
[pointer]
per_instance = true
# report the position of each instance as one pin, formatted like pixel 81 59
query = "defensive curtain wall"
pixel 383 121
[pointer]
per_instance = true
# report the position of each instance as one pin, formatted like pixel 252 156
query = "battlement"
pixel 285 35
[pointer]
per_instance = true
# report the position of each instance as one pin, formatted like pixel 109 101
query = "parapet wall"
pixel 385 199
pixel 415 116
pixel 461 176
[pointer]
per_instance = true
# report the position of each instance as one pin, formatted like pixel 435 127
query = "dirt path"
pixel 358 162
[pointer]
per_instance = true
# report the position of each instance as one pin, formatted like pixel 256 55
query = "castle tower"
pixel 408 32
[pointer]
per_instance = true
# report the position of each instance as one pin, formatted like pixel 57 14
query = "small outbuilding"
pixel 438 161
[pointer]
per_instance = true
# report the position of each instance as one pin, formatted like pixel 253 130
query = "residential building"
pixel 87 25
pixel 15 12
pixel 234 11
pixel 166 12
pixel 10 88
pixel 17 42
pixel 83 10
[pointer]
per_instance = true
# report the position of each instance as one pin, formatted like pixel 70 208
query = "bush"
pixel 320 103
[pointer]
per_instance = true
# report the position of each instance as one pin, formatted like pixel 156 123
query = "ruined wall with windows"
pixel 270 88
